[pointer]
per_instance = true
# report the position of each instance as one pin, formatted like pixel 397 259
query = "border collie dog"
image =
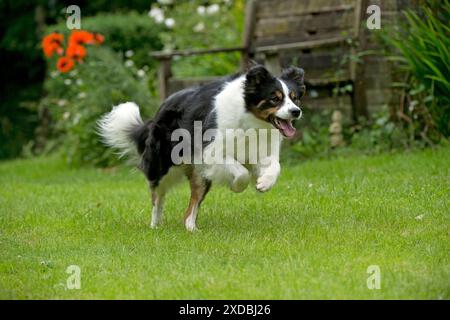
pixel 255 100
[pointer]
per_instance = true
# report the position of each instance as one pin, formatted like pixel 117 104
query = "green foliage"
pixel 21 76
pixel 381 134
pixel 93 7
pixel 314 136
pixel 423 52
pixel 199 26
pixel 132 32
pixel 22 26
pixel 77 100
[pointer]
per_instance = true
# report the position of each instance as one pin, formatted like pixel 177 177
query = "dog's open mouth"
pixel 285 126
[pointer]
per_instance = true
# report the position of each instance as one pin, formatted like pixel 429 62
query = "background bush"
pixel 117 71
pixel 204 25
pixel 22 25
pixel 420 49
pixel 21 76
pixel 123 32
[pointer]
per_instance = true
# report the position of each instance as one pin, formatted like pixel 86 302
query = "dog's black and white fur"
pixel 255 99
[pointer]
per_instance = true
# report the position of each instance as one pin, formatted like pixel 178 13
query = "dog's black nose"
pixel 296 112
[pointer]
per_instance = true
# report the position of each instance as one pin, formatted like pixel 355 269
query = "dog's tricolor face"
pixel 274 100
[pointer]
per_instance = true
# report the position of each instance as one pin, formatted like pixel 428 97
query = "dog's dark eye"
pixel 302 91
pixel 275 99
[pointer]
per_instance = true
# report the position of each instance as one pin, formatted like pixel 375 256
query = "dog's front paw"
pixel 265 183
pixel 240 182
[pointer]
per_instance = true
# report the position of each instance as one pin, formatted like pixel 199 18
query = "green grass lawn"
pixel 313 236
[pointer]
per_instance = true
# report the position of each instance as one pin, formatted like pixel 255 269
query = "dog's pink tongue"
pixel 287 129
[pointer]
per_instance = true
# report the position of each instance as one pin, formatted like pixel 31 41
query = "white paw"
pixel 190 225
pixel 153 225
pixel 265 183
pixel 156 219
pixel 240 182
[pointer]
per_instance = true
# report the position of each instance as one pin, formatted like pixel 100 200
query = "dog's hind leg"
pixel 199 188
pixel 159 190
pixel 158 198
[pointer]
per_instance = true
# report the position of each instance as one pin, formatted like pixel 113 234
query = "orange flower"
pixel 53 43
pixel 65 64
pixel 50 49
pixel 76 51
pixel 98 38
pixel 81 37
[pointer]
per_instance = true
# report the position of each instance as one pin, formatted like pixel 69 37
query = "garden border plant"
pixel 419 49
pixel 105 76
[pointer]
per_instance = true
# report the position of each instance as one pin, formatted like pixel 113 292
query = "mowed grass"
pixel 313 236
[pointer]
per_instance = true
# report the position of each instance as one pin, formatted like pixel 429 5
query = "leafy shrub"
pixel 118 71
pixel 21 76
pixel 23 67
pixel 217 24
pixel 132 32
pixel 77 99
pixel 381 134
pixel 422 56
pixel 314 136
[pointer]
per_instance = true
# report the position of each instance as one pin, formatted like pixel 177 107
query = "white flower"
pixel 82 95
pixel 66 115
pixel 201 10
pixel 170 23
pixel 129 53
pixel 420 217
pixel 155 11
pixel 62 102
pixel 73 73
pixel 79 82
pixel 199 27
pixel 157 14
pixel 213 9
pixel 310 185
pixel 129 63
pixel 141 73
pixel 54 74
pixel 159 19
pixel 68 82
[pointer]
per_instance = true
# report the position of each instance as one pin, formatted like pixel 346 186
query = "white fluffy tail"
pixel 116 128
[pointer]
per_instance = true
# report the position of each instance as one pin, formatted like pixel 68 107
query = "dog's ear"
pixel 258 75
pixel 297 76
